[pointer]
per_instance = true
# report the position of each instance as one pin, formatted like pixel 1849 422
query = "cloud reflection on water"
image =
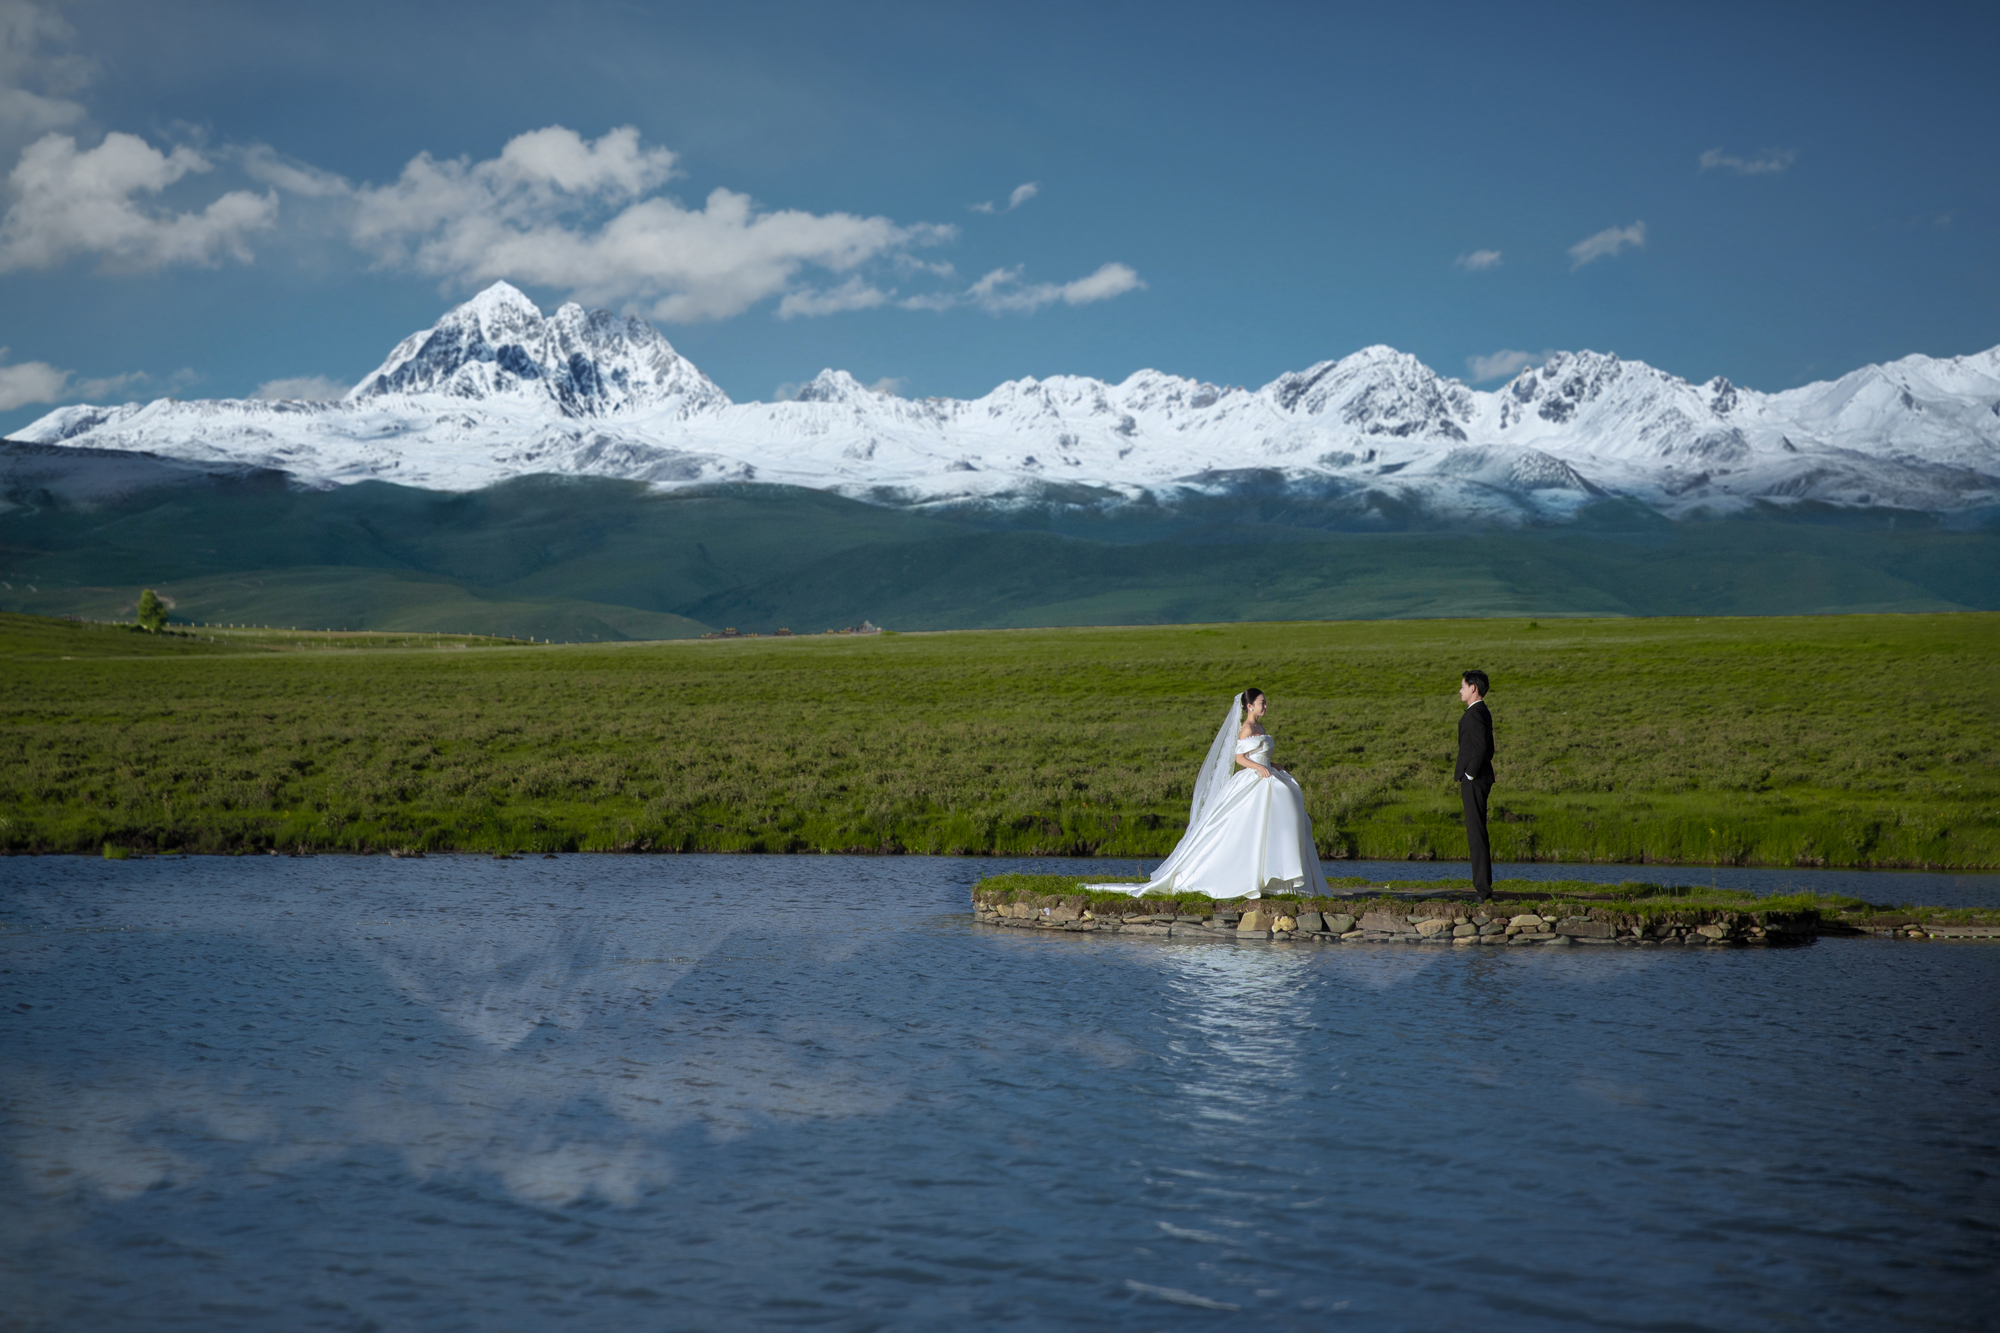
pixel 617 1092
pixel 625 1065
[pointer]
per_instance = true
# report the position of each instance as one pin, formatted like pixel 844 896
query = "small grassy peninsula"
pixel 1823 741
pixel 1522 911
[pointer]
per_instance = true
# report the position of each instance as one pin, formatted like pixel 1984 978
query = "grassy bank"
pixel 1861 740
pixel 1633 901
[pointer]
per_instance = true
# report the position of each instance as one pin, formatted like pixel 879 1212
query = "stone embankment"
pixel 1461 924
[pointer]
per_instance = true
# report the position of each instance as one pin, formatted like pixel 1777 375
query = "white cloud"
pixel 1021 195
pixel 556 210
pixel 1001 291
pixel 445 215
pixel 1478 261
pixel 301 388
pixel 68 202
pixel 30 382
pixel 551 209
pixel 35 81
pixel 854 294
pixel 1767 163
pixel 1502 364
pixel 1110 280
pixel 937 268
pixel 114 386
pixel 1611 241
pixel 40 382
pixel 262 163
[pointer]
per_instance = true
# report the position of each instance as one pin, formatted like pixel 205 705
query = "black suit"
pixel 1475 780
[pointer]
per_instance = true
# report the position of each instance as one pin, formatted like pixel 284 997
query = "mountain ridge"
pixel 497 390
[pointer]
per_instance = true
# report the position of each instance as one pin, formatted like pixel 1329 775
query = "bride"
pixel 1247 828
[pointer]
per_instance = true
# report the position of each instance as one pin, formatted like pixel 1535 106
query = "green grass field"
pixel 1854 740
pixel 43 639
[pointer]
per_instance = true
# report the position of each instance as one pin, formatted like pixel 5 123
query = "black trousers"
pixel 1474 795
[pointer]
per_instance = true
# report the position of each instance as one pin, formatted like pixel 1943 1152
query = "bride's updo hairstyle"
pixel 1251 696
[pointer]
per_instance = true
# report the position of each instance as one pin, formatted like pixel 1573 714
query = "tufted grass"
pixel 1841 741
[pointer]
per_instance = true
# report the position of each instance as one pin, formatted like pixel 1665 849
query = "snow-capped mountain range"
pixel 498 390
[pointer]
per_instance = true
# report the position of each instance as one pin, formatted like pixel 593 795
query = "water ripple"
pixel 768 1092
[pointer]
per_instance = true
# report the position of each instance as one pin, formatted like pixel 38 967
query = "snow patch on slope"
pixel 497 390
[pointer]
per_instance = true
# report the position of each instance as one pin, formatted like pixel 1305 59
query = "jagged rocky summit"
pixel 498 390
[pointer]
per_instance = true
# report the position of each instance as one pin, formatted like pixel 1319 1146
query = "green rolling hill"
pixel 578 559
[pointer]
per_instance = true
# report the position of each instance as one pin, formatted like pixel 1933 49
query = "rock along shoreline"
pixel 1368 918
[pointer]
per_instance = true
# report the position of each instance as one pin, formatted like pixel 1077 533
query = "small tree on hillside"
pixel 152 612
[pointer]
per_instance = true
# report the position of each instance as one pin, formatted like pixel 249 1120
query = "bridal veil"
pixel 1216 770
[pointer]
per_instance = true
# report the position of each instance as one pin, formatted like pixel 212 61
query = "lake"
pixel 777 1092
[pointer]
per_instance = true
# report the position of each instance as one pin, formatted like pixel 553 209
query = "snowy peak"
pixel 1905 402
pixel 588 363
pixel 1378 391
pixel 834 386
pixel 1152 391
pixel 1628 409
pixel 495 389
pixel 1568 382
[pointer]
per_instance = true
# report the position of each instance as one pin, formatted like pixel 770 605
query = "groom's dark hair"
pixel 1477 680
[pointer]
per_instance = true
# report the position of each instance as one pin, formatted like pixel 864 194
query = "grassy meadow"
pixel 1852 740
pixel 43 638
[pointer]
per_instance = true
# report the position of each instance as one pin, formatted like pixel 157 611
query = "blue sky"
pixel 206 198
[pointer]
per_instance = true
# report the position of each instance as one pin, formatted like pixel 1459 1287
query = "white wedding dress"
pixel 1247 834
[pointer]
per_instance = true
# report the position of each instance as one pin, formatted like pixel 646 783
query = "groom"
pixel 1475 776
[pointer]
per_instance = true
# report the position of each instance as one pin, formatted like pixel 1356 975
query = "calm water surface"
pixel 722 1093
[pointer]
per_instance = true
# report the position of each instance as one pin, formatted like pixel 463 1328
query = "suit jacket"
pixel 1475 744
